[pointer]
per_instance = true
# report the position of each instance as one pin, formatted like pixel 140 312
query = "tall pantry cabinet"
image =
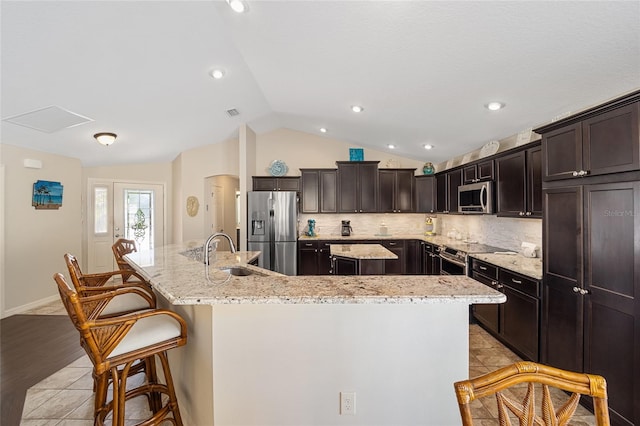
pixel 591 238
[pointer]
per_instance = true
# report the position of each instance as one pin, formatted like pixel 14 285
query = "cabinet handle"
pixel 582 173
pixel 583 291
pixel 484 268
pixel 499 286
pixel 575 173
pixel 576 290
pixel 528 214
pixel 316 250
pixel 516 281
pixel 308 244
pixel 494 283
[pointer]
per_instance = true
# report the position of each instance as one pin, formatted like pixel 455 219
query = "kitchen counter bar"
pixel 362 251
pixel 269 349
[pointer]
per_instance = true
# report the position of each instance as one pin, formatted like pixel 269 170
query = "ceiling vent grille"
pixel 232 112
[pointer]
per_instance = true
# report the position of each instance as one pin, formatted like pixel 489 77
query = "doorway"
pixel 130 210
pixel 221 214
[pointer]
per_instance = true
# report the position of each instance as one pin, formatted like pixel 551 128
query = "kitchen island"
pixel 359 259
pixel 269 349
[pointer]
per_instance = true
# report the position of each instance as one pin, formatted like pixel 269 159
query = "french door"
pixel 130 210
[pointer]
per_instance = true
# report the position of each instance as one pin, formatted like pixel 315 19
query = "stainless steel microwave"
pixel 476 198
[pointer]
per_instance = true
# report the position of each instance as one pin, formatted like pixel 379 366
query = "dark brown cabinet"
pixel 314 257
pixel 269 183
pixel 519 183
pixel 593 143
pixel 413 257
pixel 425 195
pixel 395 190
pixel 447 184
pixel 517 321
pixel 357 186
pixel 591 309
pixel 395 266
pixel 478 172
pixel 319 191
pixel 430 259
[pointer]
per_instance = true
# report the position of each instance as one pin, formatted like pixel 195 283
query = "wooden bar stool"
pixel 121 247
pixel 495 384
pixel 135 296
pixel 117 344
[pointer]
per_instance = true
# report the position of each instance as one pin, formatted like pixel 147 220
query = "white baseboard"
pixel 29 306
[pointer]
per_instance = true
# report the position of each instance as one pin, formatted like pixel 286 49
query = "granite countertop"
pixel 530 267
pixel 177 272
pixel 362 251
pixel 433 239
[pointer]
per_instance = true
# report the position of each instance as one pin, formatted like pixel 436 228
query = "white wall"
pixel 305 150
pixel 36 240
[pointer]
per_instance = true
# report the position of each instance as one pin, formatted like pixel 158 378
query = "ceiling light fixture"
pixel 217 74
pixel 428 146
pixel 323 130
pixel 105 138
pixel 391 146
pixel 357 108
pixel 237 5
pixel 494 106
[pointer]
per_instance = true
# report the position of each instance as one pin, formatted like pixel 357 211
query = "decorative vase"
pixel 428 169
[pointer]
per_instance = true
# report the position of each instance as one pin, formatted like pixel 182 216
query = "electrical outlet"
pixel 347 403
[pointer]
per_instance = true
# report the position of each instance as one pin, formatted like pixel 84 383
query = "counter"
pixel 361 251
pixel 268 349
pixel 530 267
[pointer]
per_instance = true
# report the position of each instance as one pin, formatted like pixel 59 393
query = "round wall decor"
pixel 192 205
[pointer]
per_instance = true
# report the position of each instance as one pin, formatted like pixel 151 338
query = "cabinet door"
pixel 612 279
pixel 441 193
pixel 307 258
pixel 486 314
pixel 404 190
pixel 328 191
pixel 470 174
pixel 519 322
pixel 610 141
pixel 425 194
pixel 562 152
pixel 511 184
pixel 485 170
pixel 454 180
pixel 368 183
pixel 395 266
pixel 413 257
pixel 562 308
pixel 288 184
pixel 343 266
pixel 534 182
pixel 387 191
pixel 264 183
pixel 310 186
pixel 348 188
pixel 324 258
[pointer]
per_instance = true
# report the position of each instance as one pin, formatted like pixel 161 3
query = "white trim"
pixel 33 305
pixel 2 268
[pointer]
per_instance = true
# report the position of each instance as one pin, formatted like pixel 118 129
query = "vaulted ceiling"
pixel 422 70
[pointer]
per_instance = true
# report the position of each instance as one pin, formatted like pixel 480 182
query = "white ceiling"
pixel 422 70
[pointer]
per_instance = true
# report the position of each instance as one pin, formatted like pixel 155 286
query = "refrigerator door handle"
pixel 272 240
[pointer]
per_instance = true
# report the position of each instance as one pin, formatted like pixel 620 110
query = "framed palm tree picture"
pixel 47 195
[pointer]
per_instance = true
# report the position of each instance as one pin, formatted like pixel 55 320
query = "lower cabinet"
pixel 394 266
pixel 517 321
pixel 430 259
pixel 314 257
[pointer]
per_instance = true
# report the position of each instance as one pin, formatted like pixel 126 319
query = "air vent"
pixel 49 120
pixel 232 112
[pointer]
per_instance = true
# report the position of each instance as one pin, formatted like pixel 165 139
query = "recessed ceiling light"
pixel 391 146
pixel 494 106
pixel 217 74
pixel 428 146
pixel 323 129
pixel 237 5
pixel 357 108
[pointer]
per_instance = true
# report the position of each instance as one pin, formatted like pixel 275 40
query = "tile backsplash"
pixel 506 233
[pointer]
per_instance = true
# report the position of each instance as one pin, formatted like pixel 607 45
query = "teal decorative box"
pixel 356 154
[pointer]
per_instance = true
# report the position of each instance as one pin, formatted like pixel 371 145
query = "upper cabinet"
pixel 269 183
pixel 519 183
pixel 319 190
pixel 425 196
pixel 357 186
pixel 395 193
pixel 593 143
pixel 447 184
pixel 478 172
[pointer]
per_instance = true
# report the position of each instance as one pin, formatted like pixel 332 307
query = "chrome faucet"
pixel 207 245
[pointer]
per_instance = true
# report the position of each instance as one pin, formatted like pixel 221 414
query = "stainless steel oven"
pixel 452 261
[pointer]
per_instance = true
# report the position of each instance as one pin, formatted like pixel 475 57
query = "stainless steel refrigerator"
pixel 272 221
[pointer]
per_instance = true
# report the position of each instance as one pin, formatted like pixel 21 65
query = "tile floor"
pixel 65 398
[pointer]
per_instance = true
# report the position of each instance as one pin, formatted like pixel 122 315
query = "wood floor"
pixel 32 347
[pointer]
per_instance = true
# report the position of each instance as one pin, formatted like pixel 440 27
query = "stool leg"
pixel 101 385
pixel 155 398
pixel 173 400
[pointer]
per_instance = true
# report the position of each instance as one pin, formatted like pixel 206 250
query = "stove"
pixel 454 256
